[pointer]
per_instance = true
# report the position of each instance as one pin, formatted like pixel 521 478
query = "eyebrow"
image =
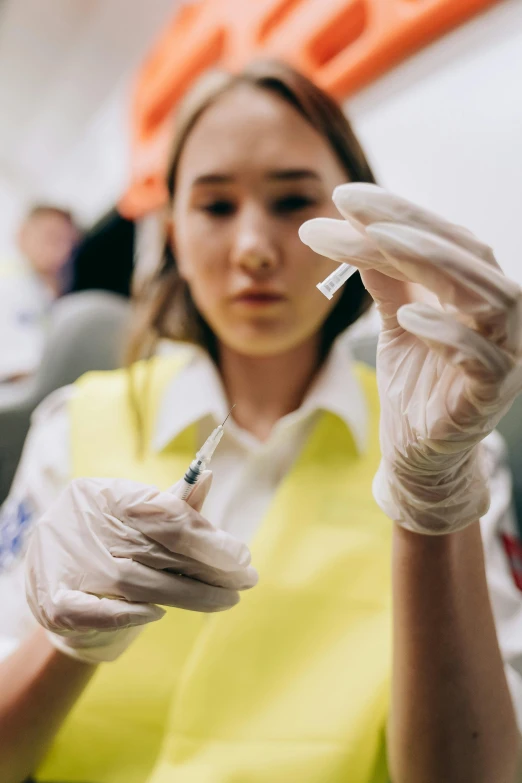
pixel 292 174
pixel 280 175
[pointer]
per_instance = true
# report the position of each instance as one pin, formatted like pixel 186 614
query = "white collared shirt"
pixel 247 471
pixel 24 306
pixel 246 475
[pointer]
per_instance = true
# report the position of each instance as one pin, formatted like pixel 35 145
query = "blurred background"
pixel 66 74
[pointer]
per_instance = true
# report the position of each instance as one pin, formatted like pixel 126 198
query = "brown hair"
pixel 164 306
pixel 50 209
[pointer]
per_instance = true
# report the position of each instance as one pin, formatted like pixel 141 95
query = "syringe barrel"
pixel 199 464
pixel 208 448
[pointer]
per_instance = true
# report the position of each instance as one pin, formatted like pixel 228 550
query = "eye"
pixel 219 208
pixel 293 203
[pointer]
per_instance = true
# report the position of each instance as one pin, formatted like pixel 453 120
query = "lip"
pixel 259 297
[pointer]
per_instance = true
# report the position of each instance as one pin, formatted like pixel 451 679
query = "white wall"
pixel 445 129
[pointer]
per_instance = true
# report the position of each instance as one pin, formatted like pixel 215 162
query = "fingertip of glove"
pixel 226 599
pixel 309 230
pixel 206 477
pixel 329 236
pixel 252 578
pixel 157 612
pixel 344 195
pixel 136 615
pixel 198 495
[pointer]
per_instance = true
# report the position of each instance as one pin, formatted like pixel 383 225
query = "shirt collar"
pixel 197 392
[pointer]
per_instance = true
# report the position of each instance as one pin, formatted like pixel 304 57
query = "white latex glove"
pixel 97 564
pixel 447 371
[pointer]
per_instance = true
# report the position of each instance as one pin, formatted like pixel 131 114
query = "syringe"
pixel 201 461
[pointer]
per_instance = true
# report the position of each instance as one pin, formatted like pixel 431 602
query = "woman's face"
pixel 251 171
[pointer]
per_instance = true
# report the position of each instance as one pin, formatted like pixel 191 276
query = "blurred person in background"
pixel 298 683
pixel 45 240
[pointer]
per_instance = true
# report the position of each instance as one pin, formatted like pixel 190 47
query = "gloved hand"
pixel 447 370
pixel 98 562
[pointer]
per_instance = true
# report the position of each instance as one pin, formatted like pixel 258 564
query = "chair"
pixel 86 332
pixel 510 427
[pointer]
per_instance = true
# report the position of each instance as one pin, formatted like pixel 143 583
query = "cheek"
pixel 201 261
pixel 306 268
pixel 200 254
pixel 305 271
pixel 205 281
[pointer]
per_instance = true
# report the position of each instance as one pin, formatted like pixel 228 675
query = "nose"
pixel 254 248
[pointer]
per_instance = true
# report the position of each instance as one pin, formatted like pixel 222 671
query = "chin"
pixel 260 344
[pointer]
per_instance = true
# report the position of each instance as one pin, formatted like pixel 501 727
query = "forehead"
pixel 250 128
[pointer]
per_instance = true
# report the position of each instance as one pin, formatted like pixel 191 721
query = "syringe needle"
pixel 228 414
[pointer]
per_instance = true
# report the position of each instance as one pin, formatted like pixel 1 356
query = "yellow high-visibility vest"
pixel 290 686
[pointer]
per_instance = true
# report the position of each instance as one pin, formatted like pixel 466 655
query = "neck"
pixel 265 388
pixel 52 283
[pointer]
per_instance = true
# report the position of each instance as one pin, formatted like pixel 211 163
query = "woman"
pixel 293 684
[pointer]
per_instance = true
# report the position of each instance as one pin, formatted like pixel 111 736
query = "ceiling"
pixel 66 71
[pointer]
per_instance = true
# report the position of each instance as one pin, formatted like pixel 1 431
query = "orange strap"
pixel 341 44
